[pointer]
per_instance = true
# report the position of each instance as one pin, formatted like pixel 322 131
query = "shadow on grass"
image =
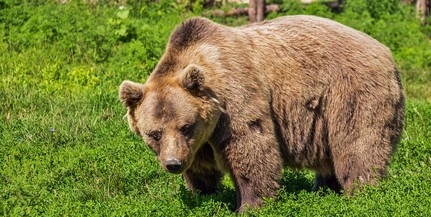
pixel 224 195
pixel 292 182
pixel 296 181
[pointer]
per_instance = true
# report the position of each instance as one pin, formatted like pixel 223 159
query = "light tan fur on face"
pixel 166 107
pixel 297 91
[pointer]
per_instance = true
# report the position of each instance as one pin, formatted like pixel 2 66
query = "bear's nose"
pixel 173 165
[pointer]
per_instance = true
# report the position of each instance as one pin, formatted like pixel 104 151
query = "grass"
pixel 66 150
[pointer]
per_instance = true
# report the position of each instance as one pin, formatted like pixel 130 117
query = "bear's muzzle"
pixel 173 165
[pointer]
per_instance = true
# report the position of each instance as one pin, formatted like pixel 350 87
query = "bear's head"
pixel 174 114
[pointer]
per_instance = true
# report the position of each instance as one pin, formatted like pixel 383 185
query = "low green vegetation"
pixel 65 147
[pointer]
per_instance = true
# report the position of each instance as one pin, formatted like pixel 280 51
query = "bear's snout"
pixel 173 165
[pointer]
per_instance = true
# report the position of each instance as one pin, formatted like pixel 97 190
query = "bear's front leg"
pixel 204 181
pixel 255 165
pixel 203 175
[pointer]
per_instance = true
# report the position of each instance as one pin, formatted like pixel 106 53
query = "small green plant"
pixel 123 27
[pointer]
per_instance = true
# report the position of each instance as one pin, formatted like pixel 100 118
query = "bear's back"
pixel 304 54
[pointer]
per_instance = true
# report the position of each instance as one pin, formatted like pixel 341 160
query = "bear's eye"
pixel 187 130
pixel 155 135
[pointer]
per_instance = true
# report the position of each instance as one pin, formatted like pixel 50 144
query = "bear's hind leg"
pixel 326 181
pixel 352 172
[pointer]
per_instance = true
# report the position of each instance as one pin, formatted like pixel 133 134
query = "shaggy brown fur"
pixel 299 91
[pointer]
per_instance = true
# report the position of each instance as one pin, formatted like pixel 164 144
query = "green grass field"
pixel 65 147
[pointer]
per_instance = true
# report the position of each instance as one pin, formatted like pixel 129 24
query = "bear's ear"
pixel 192 78
pixel 131 93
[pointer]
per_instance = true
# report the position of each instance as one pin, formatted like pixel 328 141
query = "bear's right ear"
pixel 192 78
pixel 131 93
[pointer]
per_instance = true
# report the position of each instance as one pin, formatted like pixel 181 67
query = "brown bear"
pixel 296 91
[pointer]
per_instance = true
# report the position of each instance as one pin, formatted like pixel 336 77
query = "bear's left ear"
pixel 192 78
pixel 131 93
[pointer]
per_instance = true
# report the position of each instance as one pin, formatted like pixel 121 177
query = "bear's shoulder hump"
pixel 191 32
